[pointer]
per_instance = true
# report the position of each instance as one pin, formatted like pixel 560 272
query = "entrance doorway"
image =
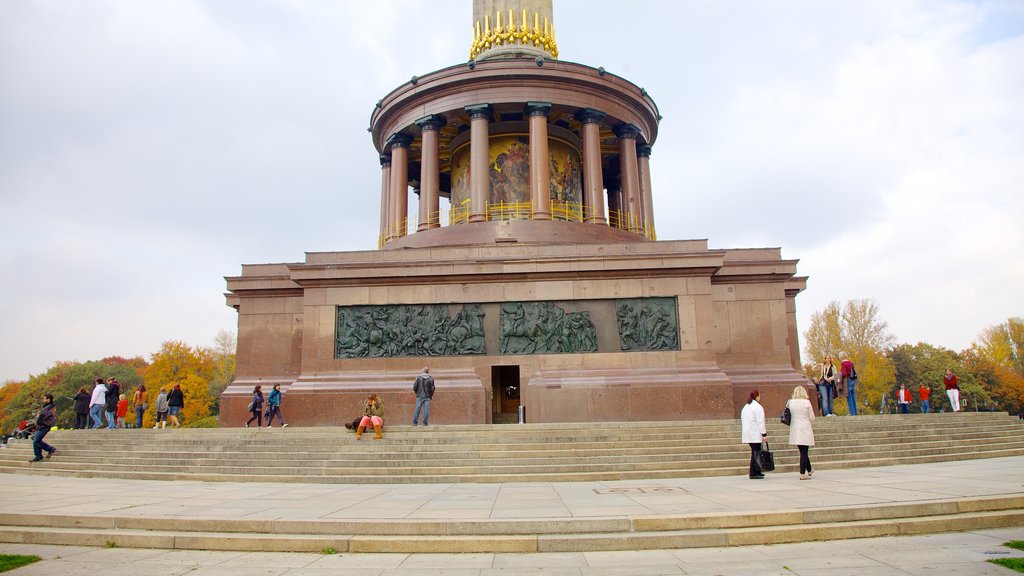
pixel 505 390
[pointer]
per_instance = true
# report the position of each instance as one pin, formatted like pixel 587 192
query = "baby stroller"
pixel 25 429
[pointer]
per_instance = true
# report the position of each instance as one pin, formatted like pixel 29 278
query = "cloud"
pixel 149 149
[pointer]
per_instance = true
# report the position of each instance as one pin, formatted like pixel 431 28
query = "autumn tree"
pixel 997 359
pixel 855 331
pixel 179 364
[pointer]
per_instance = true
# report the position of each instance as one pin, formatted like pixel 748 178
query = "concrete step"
pixel 526 535
pixel 480 453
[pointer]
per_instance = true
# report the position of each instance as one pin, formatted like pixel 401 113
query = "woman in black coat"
pixel 82 408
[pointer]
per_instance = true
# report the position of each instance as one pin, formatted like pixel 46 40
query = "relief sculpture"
pixel 408 330
pixel 647 324
pixel 545 328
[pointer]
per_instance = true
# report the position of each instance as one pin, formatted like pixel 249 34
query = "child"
pixel 122 410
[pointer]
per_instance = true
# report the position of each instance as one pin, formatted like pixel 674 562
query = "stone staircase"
pixel 515 454
pixel 509 453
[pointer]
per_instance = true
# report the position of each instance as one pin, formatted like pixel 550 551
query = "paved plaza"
pixel 935 554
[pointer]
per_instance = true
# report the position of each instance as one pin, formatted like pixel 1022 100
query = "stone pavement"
pixel 60 495
pixel 963 553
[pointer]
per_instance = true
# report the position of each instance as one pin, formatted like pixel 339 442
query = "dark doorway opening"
pixel 505 389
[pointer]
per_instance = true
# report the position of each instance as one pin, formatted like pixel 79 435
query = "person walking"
pixel 925 394
pixel 141 402
pixel 849 376
pixel 162 409
pixel 903 398
pixel 175 402
pixel 256 407
pixel 827 385
pixel 274 406
pixel 82 408
pixel 373 414
pixel 112 398
pixel 753 431
pixel 952 384
pixel 44 421
pixel 96 403
pixel 424 389
pixel 801 433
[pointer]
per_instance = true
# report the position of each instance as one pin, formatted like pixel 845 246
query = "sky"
pixel 148 149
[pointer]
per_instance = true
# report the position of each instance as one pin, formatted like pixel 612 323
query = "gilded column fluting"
pixel 385 197
pixel 593 193
pixel 540 167
pixel 479 161
pixel 399 145
pixel 430 172
pixel 644 167
pixel 629 177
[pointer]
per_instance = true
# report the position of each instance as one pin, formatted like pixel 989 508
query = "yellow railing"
pixel 568 211
pixel 459 214
pixel 510 211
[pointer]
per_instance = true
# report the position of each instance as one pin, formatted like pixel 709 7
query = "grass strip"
pixel 12 561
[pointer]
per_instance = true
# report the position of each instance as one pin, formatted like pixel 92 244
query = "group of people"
pixel 273 402
pixel 835 382
pixel 801 434
pixel 373 407
pixel 924 393
pixel 108 402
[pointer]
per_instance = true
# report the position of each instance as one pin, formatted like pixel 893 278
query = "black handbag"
pixel 765 458
pixel 787 416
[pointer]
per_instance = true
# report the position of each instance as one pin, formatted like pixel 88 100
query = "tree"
pixel 63 380
pixel 223 353
pixel 997 358
pixel 855 331
pixel 923 363
pixel 190 368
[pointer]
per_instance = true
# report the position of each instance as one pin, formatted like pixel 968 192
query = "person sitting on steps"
pixel 373 413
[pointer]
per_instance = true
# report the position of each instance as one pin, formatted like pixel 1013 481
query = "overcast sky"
pixel 148 149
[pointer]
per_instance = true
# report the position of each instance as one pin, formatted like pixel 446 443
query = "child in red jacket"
pixel 122 410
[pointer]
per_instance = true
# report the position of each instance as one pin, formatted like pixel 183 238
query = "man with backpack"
pixel 849 375
pixel 424 389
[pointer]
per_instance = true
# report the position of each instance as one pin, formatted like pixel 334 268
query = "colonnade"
pixel 629 198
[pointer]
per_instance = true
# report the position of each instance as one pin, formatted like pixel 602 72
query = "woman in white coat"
pixel 754 432
pixel 801 434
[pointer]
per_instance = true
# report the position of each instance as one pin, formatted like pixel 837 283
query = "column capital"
pixel 398 140
pixel 432 122
pixel 385 160
pixel 589 115
pixel 644 150
pixel 624 131
pixel 537 109
pixel 478 110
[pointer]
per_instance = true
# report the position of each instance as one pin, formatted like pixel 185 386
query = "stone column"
pixel 430 173
pixel 628 176
pixel 593 193
pixel 479 161
pixel 385 197
pixel 540 166
pixel 399 144
pixel 644 167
